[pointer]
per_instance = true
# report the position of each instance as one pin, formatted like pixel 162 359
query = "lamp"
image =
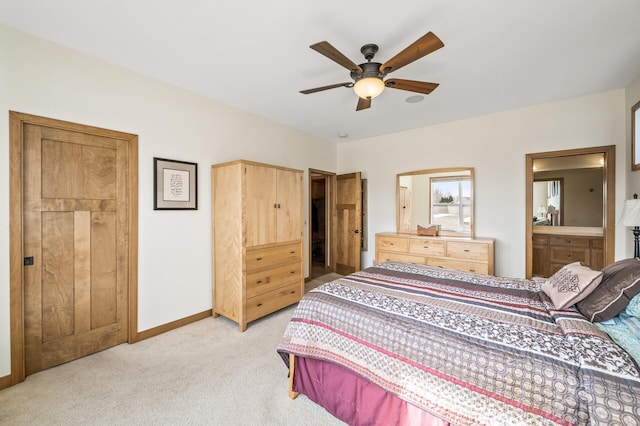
pixel 631 217
pixel 368 87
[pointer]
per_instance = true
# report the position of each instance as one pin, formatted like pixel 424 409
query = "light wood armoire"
pixel 257 224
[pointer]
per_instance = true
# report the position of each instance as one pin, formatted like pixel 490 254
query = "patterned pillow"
pixel 571 284
pixel 620 283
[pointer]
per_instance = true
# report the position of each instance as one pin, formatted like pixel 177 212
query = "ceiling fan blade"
pixel 423 46
pixel 331 86
pixel 363 104
pixel 411 85
pixel 326 49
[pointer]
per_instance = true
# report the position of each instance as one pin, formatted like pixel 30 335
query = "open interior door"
pixel 347 224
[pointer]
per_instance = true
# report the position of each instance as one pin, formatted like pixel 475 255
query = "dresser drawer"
pixel 467 250
pixel 265 257
pixel 400 245
pixel 568 241
pixel 460 265
pixel 399 257
pixel 270 279
pixel 428 247
pixel 566 255
pixel 266 303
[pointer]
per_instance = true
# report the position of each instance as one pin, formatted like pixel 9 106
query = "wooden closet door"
pixel 260 205
pixel 290 221
pixel 76 237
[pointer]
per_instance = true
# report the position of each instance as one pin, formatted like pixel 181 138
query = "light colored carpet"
pixel 206 373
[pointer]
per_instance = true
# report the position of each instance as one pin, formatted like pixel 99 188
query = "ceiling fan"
pixel 368 77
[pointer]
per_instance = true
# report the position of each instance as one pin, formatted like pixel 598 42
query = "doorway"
pixel 73 242
pixel 320 202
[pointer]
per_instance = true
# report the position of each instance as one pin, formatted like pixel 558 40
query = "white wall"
pixel 495 145
pixel 174 280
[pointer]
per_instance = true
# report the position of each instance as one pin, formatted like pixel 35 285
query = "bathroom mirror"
pixel 569 193
pixel 436 196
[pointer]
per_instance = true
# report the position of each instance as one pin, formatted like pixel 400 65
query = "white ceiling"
pixel 254 55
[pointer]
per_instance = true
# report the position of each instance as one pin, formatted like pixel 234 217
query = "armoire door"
pixel 260 205
pixel 289 210
pixel 76 244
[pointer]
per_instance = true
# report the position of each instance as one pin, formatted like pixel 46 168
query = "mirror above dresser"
pixel 442 197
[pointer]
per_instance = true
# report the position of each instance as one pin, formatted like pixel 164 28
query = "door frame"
pixel 330 212
pixel 17 121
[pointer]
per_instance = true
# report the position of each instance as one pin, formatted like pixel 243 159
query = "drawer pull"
pixel 292 252
pixel 467 250
pixel 293 292
pixel 259 304
pixel 425 246
pixel 259 282
pixel 293 272
pixel 259 258
pixel 472 270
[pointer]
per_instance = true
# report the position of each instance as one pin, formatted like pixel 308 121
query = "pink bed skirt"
pixel 353 399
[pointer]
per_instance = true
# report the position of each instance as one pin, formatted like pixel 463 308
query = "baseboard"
pixel 5 382
pixel 172 325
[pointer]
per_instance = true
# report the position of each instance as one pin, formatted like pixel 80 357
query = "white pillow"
pixel 571 284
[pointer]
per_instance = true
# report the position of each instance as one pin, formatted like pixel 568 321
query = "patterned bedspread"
pixel 468 348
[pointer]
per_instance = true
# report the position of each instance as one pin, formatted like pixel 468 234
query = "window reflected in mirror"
pixel 437 196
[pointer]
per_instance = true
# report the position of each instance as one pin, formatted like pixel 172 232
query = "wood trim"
pixel 5 382
pixel 173 325
pixel 133 240
pixel 16 285
pixel 609 178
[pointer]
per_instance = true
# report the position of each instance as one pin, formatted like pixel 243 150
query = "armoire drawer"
pixel 460 265
pixel 427 247
pixel 265 257
pixel 270 279
pixel 465 250
pixel 266 303
pixel 400 245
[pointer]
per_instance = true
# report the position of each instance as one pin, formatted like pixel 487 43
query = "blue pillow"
pixel 625 328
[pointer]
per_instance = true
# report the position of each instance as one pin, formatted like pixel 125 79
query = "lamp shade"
pixel 631 212
pixel 369 87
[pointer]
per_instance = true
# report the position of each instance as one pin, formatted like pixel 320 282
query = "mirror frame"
pixel 635 137
pixel 453 171
pixel 608 202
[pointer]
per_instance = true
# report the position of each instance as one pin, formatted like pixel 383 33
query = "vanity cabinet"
pixel 463 254
pixel 552 252
pixel 257 219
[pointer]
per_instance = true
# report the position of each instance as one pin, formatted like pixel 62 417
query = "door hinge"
pixel 28 261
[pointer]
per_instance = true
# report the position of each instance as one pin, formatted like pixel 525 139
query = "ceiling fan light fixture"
pixel 368 87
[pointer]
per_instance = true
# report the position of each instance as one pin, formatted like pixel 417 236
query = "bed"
pixel 403 344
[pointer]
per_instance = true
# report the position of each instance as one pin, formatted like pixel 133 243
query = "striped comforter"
pixel 468 348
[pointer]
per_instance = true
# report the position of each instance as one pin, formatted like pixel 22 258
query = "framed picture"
pixel 175 185
pixel 635 137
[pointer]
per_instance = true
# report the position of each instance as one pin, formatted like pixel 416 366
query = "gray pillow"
pixel 620 282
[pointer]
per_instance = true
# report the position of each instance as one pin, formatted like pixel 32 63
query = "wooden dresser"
pixel 257 212
pixel 463 254
pixel 550 252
